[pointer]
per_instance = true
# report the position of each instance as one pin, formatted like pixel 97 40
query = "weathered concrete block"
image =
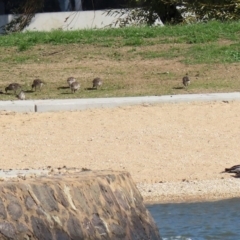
pixel 73 204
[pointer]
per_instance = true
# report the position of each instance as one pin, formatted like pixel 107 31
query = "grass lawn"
pixel 131 61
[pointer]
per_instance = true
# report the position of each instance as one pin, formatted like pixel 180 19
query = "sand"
pixel 174 152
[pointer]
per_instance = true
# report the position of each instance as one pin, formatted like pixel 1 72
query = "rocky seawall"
pixel 66 204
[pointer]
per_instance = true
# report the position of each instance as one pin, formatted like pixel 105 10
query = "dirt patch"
pixel 155 143
pixel 126 71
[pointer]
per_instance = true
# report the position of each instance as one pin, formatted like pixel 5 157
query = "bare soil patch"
pixel 157 144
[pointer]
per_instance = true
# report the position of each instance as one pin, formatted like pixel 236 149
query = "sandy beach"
pixel 174 152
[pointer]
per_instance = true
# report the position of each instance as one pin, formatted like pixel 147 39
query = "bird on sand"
pixel 13 87
pixel 97 82
pixel 21 95
pixel 71 80
pixel 37 83
pixel 75 86
pixel 186 80
pixel 233 169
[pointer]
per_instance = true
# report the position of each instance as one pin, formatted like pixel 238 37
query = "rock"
pixel 73 205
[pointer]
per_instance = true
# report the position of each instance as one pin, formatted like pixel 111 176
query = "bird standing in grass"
pixel 21 95
pixel 75 86
pixel 71 80
pixel 97 82
pixel 13 87
pixel 186 80
pixel 37 83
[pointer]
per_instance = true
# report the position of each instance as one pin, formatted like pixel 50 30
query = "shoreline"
pixel 190 191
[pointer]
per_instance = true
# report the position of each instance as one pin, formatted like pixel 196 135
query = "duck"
pixel 97 82
pixel 75 86
pixel 21 95
pixel 186 80
pixel 37 83
pixel 13 87
pixel 71 80
pixel 233 169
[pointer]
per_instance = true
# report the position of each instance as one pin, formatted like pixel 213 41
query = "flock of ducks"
pixel 72 83
pixel 38 84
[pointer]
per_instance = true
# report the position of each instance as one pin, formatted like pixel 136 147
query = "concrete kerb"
pixel 17 106
pixel 81 104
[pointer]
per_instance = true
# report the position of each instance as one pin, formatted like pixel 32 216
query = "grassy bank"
pixel 131 61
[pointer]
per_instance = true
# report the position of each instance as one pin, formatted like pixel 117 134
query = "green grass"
pixel 133 61
pixel 131 36
pixel 202 40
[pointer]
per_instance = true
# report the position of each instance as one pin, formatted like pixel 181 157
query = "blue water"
pixel 198 221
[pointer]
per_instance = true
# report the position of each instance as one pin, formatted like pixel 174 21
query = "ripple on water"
pixel 198 221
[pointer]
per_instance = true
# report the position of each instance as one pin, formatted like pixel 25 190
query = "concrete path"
pixel 80 104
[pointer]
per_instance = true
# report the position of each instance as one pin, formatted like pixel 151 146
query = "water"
pixel 197 221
